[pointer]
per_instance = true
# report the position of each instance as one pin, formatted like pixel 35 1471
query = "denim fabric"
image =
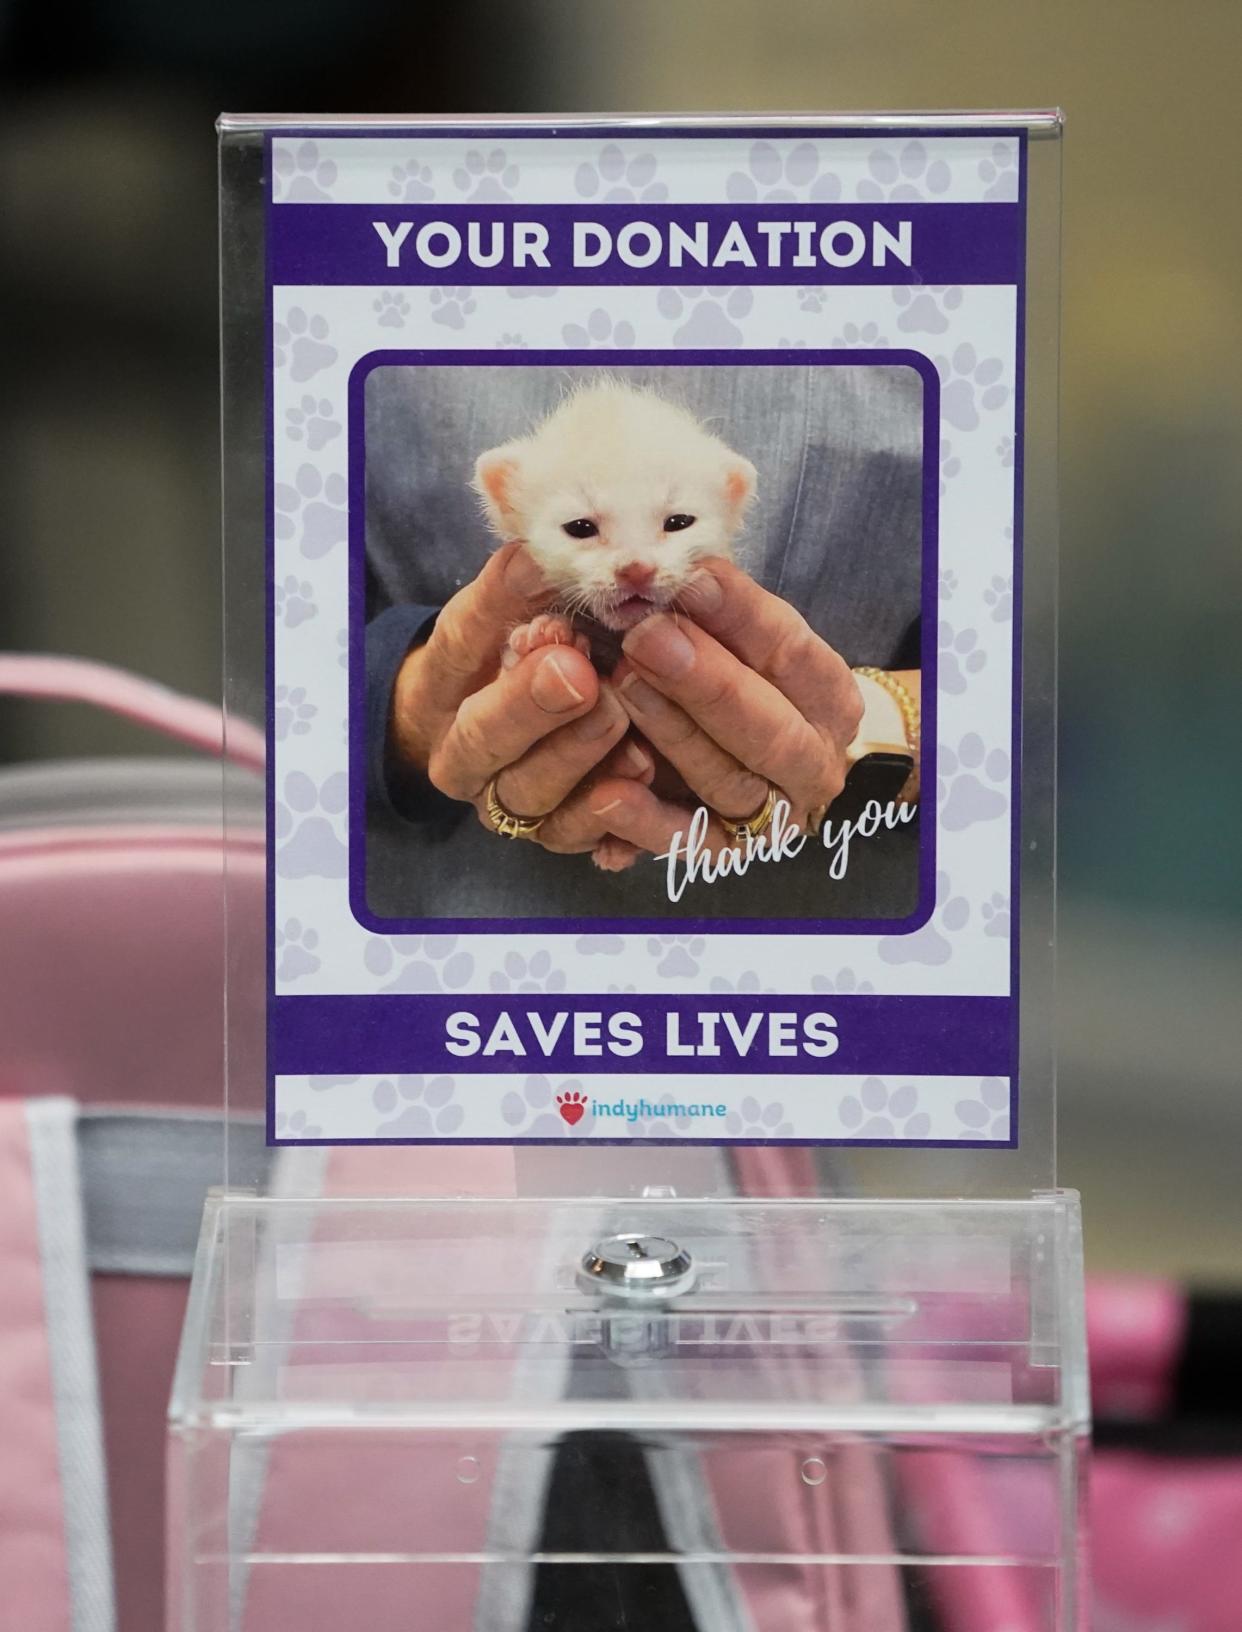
pixel 837 530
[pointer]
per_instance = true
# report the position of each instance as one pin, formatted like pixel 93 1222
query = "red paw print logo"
pixel 572 1107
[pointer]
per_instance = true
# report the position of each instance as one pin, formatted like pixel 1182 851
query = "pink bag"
pixel 110 958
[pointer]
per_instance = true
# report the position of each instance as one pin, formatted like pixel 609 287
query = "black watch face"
pixel 879 776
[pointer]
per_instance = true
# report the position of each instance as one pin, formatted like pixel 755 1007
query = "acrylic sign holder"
pixel 781 1375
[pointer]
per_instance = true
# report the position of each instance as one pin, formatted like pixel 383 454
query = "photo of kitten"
pixel 617 494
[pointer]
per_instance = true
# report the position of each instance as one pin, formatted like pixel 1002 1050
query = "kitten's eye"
pixel 582 528
pixel 678 524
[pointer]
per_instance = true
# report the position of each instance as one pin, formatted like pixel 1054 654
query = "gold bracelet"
pixel 911 720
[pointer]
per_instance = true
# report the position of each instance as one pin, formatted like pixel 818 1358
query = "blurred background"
pixel 110 470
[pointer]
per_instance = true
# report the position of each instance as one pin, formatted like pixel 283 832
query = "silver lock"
pixel 637 1268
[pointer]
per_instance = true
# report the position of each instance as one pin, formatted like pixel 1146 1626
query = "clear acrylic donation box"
pixel 639 565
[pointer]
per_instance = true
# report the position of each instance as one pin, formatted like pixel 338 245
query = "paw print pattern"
pixel 614 179
pixel 948 584
pixel 307 821
pixel 452 307
pixel 813 299
pixel 747 982
pixel 392 309
pixel 999 597
pixel 418 963
pixel 773 176
pixel 971 781
pixel 880 1112
pixel 294 1125
pixel 752 1120
pixel 959 656
pixel 1000 173
pixel 424 1107
pixel 924 308
pixel 296 950
pixel 1004 452
pixel 302 177
pixel 486 178
pixel 950 466
pixel 301 343
pixel 866 335
pixel 312 422
pixel 294 602
pixel 342 647
pixel 710 315
pixel 786 344
pixel 522 974
pixel 318 506
pixel 986 1117
pixel 411 182
pixel 291 713
pixel 678 955
pixel 995 915
pixel 532 1109
pixel 511 342
pixel 600 330
pixel 903 177
pixel 932 944
pixel 968 384
pixel 845 983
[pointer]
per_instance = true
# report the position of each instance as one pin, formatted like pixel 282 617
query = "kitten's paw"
pixel 548 629
pixel 614 855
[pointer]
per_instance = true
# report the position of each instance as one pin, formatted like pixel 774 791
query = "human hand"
pixel 545 729
pixel 739 694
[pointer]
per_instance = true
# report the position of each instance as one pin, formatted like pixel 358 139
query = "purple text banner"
pixel 857 1034
pixel 909 243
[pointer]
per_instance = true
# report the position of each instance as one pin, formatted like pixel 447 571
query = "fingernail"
pixel 509 659
pixel 602 810
pixel 523 575
pixel 659 645
pixel 552 688
pixel 635 756
pixel 638 694
pixel 703 592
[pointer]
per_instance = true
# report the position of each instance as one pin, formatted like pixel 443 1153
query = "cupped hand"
pixel 739 693
pixel 547 729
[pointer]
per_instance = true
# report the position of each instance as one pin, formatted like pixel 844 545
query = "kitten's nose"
pixel 636 577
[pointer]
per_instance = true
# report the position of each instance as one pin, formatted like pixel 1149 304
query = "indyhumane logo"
pixel 573 1106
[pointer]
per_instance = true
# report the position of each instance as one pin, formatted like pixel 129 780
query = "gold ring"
pixel 740 828
pixel 504 821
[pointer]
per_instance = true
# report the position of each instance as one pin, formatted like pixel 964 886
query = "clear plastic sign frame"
pixel 858 319
pixel 640 597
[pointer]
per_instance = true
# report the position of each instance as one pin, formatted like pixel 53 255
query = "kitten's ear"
pixel 740 481
pixel 495 481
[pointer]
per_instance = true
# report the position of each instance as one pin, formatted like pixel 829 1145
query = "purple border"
pixel 269 659
pixel 1019 636
pixel 661 127
pixel 669 130
pixel 930 545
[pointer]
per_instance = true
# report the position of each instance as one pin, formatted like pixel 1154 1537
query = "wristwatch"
pixel 884 755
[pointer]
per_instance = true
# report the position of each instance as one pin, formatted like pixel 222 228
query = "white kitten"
pixel 617 494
